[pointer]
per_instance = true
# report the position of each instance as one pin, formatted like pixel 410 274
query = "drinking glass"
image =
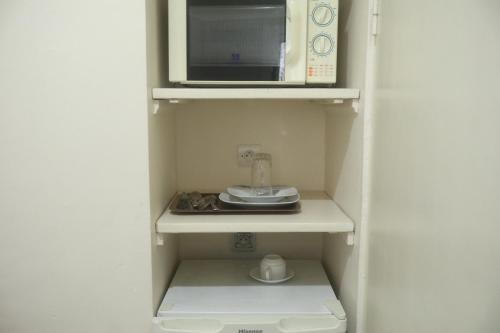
pixel 261 174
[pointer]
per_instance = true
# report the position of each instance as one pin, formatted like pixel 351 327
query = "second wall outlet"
pixel 244 242
pixel 246 153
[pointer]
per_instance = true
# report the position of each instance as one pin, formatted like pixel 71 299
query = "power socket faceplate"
pixel 246 153
pixel 244 242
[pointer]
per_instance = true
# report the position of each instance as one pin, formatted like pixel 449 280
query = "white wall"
pixel 434 223
pixel 219 246
pixel 208 134
pixel 74 207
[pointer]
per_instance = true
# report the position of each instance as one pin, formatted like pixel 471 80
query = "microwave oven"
pixel 252 42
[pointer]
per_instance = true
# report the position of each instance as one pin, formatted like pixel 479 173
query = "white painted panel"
pixel 74 212
pixel 162 188
pixel 208 134
pixel 162 165
pixel 434 224
pixel 344 153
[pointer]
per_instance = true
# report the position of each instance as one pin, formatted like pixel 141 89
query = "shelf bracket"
pixel 177 101
pixel 349 238
pixel 156 107
pixel 156 104
pixel 329 101
pixel 355 105
pixel 160 241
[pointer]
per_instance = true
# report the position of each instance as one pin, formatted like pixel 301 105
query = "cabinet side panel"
pixel 344 134
pixel 162 189
pixel 434 255
pixel 162 150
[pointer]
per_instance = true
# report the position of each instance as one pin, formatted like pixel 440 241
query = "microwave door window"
pixel 228 42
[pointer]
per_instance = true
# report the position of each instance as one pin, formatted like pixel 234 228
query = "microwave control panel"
pixel 322 30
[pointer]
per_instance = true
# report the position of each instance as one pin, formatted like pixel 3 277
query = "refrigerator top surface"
pixel 224 287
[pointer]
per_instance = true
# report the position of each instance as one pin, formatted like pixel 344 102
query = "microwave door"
pixel 237 40
pixel 296 41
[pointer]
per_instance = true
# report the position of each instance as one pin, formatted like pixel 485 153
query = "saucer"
pixel 230 199
pixel 246 193
pixel 255 274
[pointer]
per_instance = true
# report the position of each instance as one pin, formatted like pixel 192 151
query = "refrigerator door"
pixel 298 324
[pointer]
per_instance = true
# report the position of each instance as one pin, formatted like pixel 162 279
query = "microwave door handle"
pixel 296 41
pixel 288 27
pixel 292 33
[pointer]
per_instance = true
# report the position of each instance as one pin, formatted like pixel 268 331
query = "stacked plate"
pixel 246 196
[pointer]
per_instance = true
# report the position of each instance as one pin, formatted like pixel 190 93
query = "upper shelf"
pixel 319 214
pixel 330 95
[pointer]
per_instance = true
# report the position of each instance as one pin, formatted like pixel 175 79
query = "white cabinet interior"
pixel 316 147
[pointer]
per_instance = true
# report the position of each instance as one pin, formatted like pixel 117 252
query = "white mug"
pixel 272 267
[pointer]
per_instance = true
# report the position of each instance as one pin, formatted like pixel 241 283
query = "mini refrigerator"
pixel 212 296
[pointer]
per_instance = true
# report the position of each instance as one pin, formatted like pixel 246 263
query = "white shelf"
pixel 319 214
pixel 331 95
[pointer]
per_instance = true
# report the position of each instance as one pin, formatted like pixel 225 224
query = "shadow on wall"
pixel 334 244
pixel 343 42
pixel 339 182
pixel 162 28
pixel 340 119
pixel 339 128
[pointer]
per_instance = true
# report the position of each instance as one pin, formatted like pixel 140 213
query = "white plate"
pixel 255 274
pixel 230 199
pixel 246 193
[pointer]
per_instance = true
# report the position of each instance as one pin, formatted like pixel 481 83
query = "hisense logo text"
pixel 249 331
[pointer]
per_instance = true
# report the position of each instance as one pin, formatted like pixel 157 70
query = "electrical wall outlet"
pixel 246 153
pixel 244 242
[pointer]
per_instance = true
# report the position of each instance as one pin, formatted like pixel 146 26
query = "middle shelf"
pixel 319 214
pixel 335 95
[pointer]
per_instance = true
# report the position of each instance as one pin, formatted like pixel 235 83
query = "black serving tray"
pixel 177 206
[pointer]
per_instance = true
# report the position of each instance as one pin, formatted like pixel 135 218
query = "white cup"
pixel 272 267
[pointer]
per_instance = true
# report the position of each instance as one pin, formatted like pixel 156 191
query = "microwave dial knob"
pixel 323 15
pixel 322 45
